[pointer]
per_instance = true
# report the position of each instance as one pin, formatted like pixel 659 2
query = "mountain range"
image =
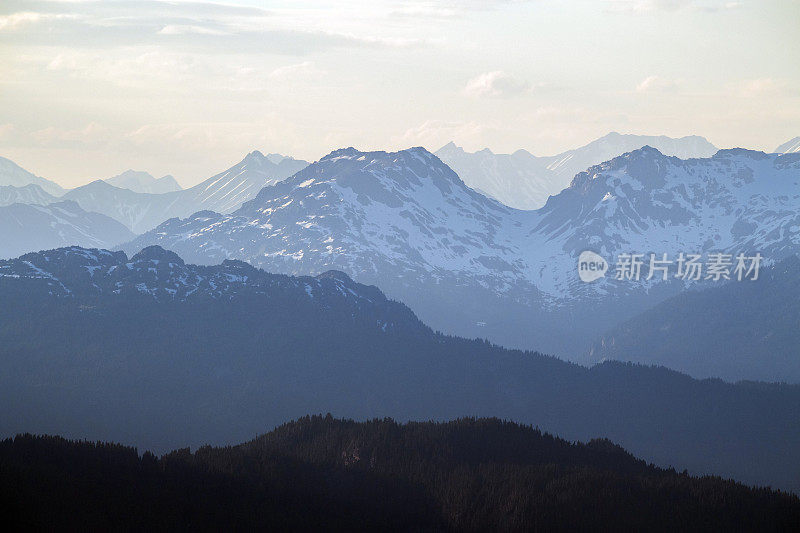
pixel 465 263
pixel 223 192
pixel 139 181
pixel 524 181
pixel 140 201
pixel 153 352
pixel 472 266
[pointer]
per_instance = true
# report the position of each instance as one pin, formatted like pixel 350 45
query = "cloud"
pixel 495 84
pixel 91 134
pixel 435 133
pixel 182 29
pixel 763 87
pixel 7 131
pixel 195 26
pixel 298 72
pixel 644 6
pixel 20 20
pixel 210 136
pixel 651 6
pixel 652 84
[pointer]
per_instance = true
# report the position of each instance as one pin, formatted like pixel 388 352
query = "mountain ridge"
pixel 524 181
pixel 14 175
pixel 144 182
pixel 27 226
pixel 373 475
pixel 406 222
pixel 222 192
pixel 26 194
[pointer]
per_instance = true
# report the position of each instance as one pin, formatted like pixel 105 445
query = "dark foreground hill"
pixel 156 353
pixel 320 472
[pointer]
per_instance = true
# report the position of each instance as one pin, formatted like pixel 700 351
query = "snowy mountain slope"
pixel 228 190
pixel 223 192
pixel 403 221
pixel 25 228
pixel 138 181
pixel 789 147
pixel 524 181
pixel 362 212
pixel 16 176
pixel 465 263
pixel 27 194
pixel 642 202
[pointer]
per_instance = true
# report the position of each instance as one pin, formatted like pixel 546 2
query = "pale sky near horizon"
pixel 91 88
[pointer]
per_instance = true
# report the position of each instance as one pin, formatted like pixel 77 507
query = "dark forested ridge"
pixel 150 352
pixel 320 472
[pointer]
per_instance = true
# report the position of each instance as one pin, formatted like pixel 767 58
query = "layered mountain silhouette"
pixel 27 227
pixel 525 181
pixel 469 265
pixel 223 192
pixel 139 181
pixel 151 351
pixel 26 194
pixel 741 330
pixel 16 176
pixel 464 475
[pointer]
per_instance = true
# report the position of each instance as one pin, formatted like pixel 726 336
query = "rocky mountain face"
pixel 406 222
pixel 37 227
pixel 524 181
pixel 222 193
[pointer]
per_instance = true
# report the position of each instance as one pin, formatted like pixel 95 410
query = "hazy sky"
pixel 91 88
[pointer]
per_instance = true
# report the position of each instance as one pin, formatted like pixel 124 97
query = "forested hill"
pixel 316 472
